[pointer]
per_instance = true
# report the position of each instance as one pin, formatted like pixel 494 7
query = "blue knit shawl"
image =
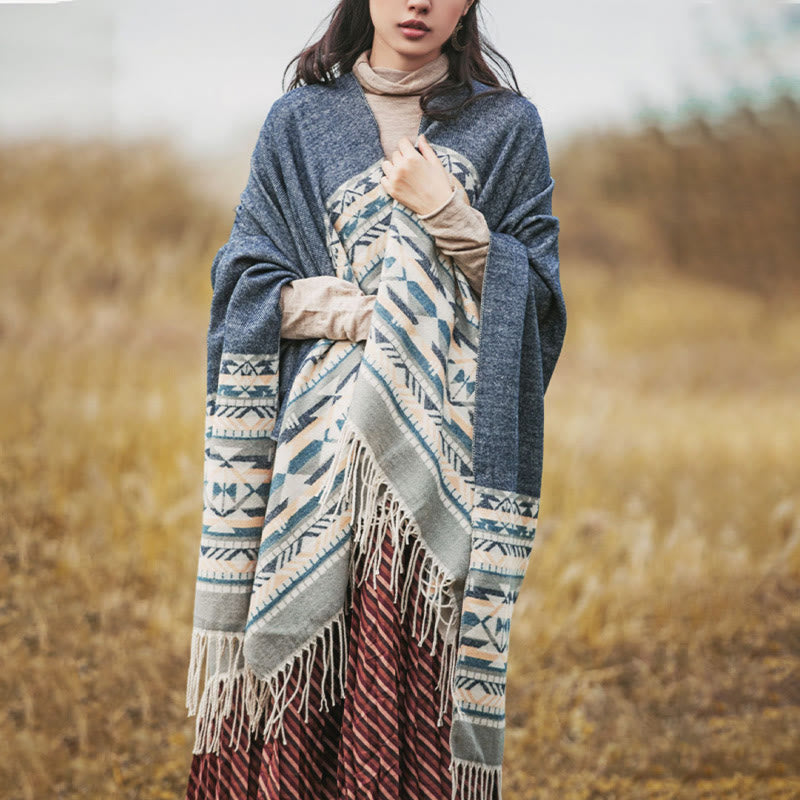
pixel 430 432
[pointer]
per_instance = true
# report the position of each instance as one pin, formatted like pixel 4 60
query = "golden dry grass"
pixel 656 643
pixel 715 199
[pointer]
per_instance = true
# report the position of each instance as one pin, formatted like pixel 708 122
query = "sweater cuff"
pixel 458 221
pixel 323 311
pixel 442 206
pixel 461 231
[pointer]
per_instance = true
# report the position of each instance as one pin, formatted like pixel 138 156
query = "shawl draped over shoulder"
pixel 440 411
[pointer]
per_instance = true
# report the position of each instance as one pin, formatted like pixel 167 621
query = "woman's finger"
pixel 406 148
pixel 428 153
pixel 424 146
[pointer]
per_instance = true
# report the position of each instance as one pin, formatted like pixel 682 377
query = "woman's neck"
pixel 389 80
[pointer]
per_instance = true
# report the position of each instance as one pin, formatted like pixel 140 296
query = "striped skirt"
pixel 380 742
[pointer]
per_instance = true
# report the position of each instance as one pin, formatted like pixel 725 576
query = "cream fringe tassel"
pixel 372 522
pixel 230 688
pixel 475 781
pixel 225 679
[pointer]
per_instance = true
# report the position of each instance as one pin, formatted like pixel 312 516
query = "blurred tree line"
pixel 714 192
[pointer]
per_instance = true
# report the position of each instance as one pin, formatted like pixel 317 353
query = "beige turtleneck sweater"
pixel 329 307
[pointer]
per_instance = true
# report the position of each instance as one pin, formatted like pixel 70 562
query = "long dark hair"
pixel 351 31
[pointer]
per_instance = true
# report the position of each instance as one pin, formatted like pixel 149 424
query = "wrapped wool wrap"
pixel 440 410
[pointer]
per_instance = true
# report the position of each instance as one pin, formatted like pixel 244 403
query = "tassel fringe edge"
pixel 229 688
pixel 475 781
pixel 374 520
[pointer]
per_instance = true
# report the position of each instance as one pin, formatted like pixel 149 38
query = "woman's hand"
pixel 416 177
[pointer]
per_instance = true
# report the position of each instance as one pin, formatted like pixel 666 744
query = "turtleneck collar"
pixel 387 80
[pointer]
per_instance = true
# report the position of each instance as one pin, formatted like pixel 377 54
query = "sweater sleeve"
pixel 325 307
pixel 461 231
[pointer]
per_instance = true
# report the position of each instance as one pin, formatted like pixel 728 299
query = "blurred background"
pixel 656 649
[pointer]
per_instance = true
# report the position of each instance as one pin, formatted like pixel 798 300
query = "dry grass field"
pixel 656 644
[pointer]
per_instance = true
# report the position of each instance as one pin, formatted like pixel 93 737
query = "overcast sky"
pixel 205 73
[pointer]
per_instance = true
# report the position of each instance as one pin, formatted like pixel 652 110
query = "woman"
pixel 280 423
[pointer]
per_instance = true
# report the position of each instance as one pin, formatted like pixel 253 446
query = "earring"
pixel 454 38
